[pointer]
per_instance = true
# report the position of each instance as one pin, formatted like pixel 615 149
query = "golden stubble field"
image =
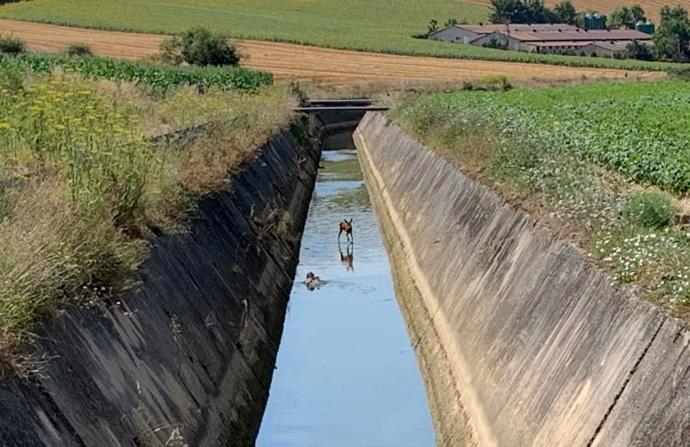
pixel 314 64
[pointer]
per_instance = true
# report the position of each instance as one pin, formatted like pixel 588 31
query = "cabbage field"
pixel 639 130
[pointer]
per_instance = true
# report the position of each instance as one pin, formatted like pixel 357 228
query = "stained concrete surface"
pixel 544 349
pixel 186 355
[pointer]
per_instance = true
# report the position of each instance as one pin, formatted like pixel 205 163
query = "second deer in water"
pixel 346 227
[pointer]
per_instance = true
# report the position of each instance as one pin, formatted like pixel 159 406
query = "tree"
pixel 638 50
pixel 536 12
pixel 198 46
pixel 507 11
pixel 201 47
pixel 565 12
pixel 638 13
pixel 672 37
pixel 626 17
pixel 450 22
pixel 432 27
pixel 523 11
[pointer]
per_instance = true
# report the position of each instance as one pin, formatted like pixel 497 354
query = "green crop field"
pixel 639 130
pixel 144 74
pixel 377 25
pixel 606 164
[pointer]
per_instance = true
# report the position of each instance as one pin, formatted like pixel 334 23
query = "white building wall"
pixel 454 34
pixel 503 39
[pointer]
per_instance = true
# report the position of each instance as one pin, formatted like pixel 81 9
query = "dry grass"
pixel 81 190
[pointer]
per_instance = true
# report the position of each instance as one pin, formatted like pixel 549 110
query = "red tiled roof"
pixel 582 35
pixel 493 28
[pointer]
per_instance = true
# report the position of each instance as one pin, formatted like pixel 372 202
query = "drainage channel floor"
pixel 346 373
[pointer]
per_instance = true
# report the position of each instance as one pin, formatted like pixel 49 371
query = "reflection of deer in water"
pixel 347 258
pixel 346 227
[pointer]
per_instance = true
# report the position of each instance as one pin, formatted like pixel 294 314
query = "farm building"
pixel 544 38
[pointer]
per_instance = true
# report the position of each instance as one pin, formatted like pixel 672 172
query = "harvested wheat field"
pixel 313 64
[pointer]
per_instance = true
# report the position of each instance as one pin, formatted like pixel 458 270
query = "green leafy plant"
pixel 11 45
pixel 651 209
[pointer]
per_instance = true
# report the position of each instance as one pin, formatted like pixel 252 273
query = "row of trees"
pixel 626 17
pixel 532 11
pixel 671 38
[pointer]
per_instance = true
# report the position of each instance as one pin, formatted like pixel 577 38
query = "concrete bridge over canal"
pixel 336 119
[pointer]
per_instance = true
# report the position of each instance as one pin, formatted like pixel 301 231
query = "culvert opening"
pixel 346 371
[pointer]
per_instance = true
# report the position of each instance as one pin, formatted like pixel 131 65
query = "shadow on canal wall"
pixel 516 332
pixel 186 356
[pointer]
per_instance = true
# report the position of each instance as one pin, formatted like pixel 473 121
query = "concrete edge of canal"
pixel 186 355
pixel 521 341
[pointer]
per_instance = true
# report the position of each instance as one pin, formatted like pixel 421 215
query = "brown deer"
pixel 346 227
pixel 348 257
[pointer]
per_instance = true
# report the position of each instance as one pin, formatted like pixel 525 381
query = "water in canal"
pixel 346 373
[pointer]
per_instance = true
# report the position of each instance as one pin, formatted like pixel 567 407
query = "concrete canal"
pixel 346 372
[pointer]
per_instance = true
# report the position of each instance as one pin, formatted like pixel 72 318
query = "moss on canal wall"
pixel 186 355
pixel 537 345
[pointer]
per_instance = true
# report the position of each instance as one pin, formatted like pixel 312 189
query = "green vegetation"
pixel 651 209
pixel 599 163
pixel 531 11
pixel 148 75
pixel 672 37
pixel 11 45
pixel 626 16
pixel 381 26
pixel 82 190
pixel 199 46
pixel 79 50
pixel 639 130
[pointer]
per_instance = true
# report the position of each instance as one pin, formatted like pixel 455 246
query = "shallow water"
pixel 346 373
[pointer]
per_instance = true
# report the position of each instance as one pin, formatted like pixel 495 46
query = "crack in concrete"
pixel 625 384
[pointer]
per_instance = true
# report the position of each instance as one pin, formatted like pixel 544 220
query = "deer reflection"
pixel 348 257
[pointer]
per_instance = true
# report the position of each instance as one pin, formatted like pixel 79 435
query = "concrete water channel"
pixel 346 372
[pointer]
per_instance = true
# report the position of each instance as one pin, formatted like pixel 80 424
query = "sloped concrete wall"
pixel 540 347
pixel 186 355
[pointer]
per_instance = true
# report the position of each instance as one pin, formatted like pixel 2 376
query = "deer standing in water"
pixel 346 227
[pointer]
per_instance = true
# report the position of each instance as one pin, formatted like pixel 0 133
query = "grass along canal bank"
pixel 604 165
pixel 83 192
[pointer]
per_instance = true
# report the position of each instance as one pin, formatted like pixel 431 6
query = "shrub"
pixel 201 47
pixel 651 209
pixel 79 50
pixel 170 51
pixel 11 45
pixel 638 50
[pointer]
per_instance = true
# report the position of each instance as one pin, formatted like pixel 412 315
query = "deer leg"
pixel 339 233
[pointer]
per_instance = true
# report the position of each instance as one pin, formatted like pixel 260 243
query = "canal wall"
pixel 520 339
pixel 185 356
